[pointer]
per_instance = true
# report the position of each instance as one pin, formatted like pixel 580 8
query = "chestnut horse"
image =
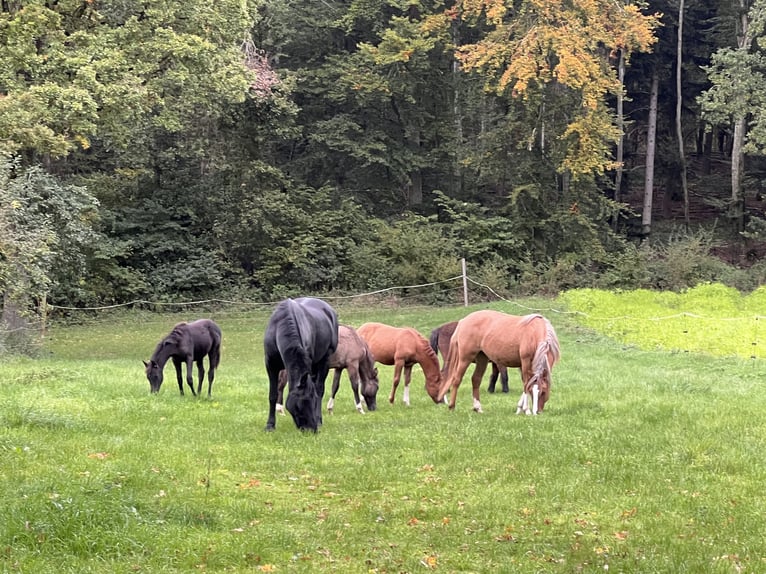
pixel 527 342
pixel 440 338
pixel 354 355
pixel 403 347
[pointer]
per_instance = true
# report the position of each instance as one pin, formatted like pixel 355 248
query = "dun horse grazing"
pixel 187 343
pixel 440 338
pixel 300 337
pixel 527 342
pixel 403 347
pixel 354 355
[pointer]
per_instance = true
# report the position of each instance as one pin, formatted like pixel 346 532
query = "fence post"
pixel 465 284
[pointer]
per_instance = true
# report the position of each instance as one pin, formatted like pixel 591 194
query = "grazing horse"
pixel 440 338
pixel 527 342
pixel 300 337
pixel 187 343
pixel 403 347
pixel 354 355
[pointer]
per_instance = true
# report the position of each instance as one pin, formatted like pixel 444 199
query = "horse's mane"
pixel 174 337
pixel 426 347
pixel 541 367
pixel 367 364
pixel 291 325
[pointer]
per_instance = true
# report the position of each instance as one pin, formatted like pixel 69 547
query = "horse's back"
pixel 387 343
pixel 502 337
pixel 305 322
pixel 351 347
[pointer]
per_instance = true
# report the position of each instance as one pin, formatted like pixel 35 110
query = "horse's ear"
pixel 145 363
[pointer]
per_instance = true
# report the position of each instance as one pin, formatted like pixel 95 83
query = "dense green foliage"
pixel 267 148
pixel 643 461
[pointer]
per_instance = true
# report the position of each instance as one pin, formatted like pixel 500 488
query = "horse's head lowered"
pixel 154 374
pixel 303 404
pixel 370 391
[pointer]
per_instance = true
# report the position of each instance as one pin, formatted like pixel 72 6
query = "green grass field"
pixel 644 461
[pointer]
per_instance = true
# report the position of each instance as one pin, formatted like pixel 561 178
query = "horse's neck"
pixel 428 362
pixel 163 353
pixel 367 366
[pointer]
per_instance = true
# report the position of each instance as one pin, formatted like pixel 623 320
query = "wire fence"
pixel 457 290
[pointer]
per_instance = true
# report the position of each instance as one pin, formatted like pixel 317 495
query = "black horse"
pixel 187 343
pixel 301 336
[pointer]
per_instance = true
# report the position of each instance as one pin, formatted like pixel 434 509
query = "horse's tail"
pixel 549 345
pixel 217 343
pixel 450 365
pixel 433 340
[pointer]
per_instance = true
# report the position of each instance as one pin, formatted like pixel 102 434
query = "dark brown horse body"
pixel 527 342
pixel 440 339
pixel 354 355
pixel 187 343
pixel 402 347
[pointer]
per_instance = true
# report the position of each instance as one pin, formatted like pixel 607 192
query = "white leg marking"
pixel 535 397
pixel 477 406
pixel 330 405
pixel 521 406
pixel 407 396
pixel 281 409
pixel 359 407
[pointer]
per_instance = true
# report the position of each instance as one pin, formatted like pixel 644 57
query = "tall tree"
pixel 540 42
pixel 736 96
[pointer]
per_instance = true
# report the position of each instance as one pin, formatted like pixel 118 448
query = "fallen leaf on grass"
pixel 622 535
pixel 99 455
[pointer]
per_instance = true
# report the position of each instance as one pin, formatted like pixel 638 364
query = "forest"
pixel 260 148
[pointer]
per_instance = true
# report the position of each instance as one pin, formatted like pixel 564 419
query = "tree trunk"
pixel 737 207
pixel 651 144
pixel 737 212
pixel 457 111
pixel 679 125
pixel 621 128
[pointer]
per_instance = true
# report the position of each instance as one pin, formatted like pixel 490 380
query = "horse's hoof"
pixel 269 428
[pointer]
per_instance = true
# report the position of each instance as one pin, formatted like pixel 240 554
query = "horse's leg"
pixel 504 379
pixel 179 375
pixel 213 359
pixel 398 366
pixel 478 375
pixel 407 379
pixel 522 405
pixel 190 373
pixel 201 374
pixel 335 385
pixel 493 378
pixel 353 376
pixel 320 378
pixel 281 384
pixel 530 395
pixel 457 378
pixel 271 422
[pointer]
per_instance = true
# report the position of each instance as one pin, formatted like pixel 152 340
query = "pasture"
pixel 643 461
